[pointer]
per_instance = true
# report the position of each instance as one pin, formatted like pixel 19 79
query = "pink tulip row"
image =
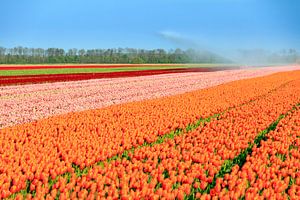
pixel 26 103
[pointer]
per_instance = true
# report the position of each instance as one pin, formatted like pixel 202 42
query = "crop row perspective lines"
pixel 283 90
pixel 40 178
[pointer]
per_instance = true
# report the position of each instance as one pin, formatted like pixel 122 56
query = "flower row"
pixel 170 170
pixel 272 170
pixel 26 103
pixel 47 148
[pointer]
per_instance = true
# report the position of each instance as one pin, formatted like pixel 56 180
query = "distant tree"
pixel 81 52
pixel 137 60
pixel 27 55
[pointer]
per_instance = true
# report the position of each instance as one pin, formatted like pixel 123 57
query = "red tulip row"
pixel 170 170
pixel 32 79
pixel 42 150
pixel 272 170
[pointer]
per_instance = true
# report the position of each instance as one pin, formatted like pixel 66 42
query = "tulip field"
pixel 18 74
pixel 232 134
pixel 37 101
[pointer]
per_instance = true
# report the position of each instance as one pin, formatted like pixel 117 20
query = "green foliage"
pixel 166 174
pixel 149 178
pixel 176 185
pixel 24 55
pixel 137 60
pixel 125 155
pixel 79 172
pixel 84 70
pixel 157 186
pixel 260 192
pixel 242 198
pixel 23 192
pixel 281 156
pixel 52 182
pixel 293 147
pixel 241 158
pixel 291 182
pixel 57 195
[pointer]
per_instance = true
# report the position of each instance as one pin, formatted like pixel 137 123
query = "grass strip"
pixel 81 70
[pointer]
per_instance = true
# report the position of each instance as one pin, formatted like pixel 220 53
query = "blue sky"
pixel 216 24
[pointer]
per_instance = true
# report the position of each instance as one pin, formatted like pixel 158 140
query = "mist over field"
pixel 255 56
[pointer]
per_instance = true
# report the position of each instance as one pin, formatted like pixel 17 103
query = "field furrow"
pixel 56 153
pixel 190 160
pixel 271 170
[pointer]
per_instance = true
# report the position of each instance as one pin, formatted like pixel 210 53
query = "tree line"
pixel 25 55
pixel 253 56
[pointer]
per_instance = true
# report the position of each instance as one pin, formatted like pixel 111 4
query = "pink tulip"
pixel 25 103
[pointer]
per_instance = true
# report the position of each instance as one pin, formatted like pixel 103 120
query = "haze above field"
pixel 229 28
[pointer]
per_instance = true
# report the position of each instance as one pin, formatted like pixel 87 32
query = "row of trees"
pixel 24 55
pixel 254 56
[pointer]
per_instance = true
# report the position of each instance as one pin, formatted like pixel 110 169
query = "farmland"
pixel 16 74
pixel 149 100
pixel 231 134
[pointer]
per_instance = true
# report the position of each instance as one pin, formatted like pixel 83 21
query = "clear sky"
pixel 218 24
